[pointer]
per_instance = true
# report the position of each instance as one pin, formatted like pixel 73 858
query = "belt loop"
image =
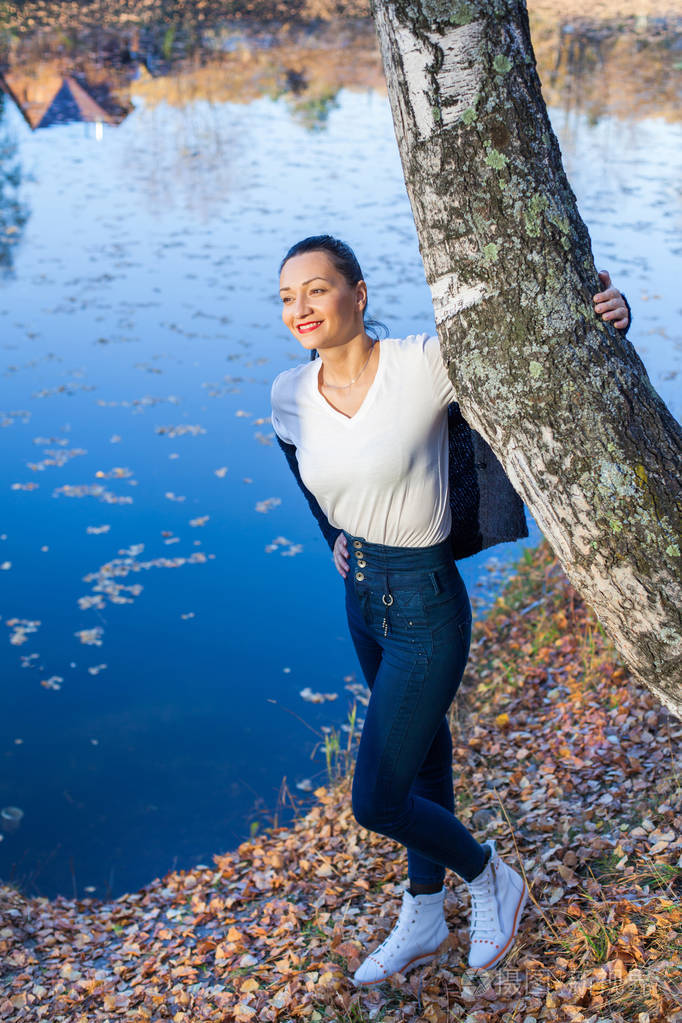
pixel 435 582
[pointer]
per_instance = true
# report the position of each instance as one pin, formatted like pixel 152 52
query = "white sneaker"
pixel 414 940
pixel 498 896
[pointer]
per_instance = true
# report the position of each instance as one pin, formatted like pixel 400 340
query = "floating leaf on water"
pixel 115 438
pixel 241 414
pixel 295 548
pixel 7 418
pixel 281 541
pixel 6 565
pixel 62 389
pixel 24 486
pixel 188 614
pixel 179 430
pixel 221 471
pixel 91 637
pixel 107 576
pixel 55 457
pixel 305 785
pixel 174 497
pixel 247 479
pixel 267 504
pixel 310 697
pixel 22 628
pixel 200 521
pixel 96 668
pixel 53 682
pixel 132 551
pixel 97 529
pixel 90 490
pixel 118 472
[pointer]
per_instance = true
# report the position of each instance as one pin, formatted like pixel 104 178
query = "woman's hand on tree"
pixel 609 303
pixel 340 554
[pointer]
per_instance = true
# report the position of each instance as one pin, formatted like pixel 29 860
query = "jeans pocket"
pixel 450 606
pixel 408 608
pixel 451 626
pixel 445 588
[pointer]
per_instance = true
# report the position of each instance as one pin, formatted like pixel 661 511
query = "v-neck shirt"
pixel 381 474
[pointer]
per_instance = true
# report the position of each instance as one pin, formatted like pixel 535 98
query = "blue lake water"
pixel 160 615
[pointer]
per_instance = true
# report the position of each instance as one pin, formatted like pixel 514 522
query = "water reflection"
pixel 622 67
pixel 13 210
pixel 170 607
pixel 46 96
pixel 604 68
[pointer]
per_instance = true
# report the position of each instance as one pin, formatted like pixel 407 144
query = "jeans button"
pixel 359 576
pixel 361 564
pixel 357 543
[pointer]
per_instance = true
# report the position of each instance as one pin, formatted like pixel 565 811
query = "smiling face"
pixel 319 306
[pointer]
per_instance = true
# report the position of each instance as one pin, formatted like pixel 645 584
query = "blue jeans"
pixel 410 622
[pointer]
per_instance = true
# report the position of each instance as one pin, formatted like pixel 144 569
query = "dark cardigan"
pixel 485 508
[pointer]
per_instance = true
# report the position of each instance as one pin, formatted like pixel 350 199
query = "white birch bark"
pixel 561 397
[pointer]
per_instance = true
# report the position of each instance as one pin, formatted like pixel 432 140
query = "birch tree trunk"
pixel 563 400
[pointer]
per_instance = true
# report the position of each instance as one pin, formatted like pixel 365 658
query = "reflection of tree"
pixel 602 67
pixel 312 112
pixel 13 212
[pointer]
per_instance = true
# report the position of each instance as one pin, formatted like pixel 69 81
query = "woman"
pixel 365 428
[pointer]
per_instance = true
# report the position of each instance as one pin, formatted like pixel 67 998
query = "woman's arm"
pixel 329 532
pixel 611 305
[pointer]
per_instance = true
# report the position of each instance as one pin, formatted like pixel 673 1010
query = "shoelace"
pixel 485 923
pixel 393 940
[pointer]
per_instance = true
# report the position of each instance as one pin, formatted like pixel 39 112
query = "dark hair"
pixel 345 261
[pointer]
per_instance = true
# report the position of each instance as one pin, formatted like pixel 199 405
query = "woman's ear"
pixel 361 295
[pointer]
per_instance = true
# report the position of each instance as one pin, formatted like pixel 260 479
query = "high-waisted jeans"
pixel 410 621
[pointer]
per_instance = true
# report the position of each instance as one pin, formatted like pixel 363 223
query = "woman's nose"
pixel 301 306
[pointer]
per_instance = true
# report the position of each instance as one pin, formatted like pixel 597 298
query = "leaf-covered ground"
pixel 558 755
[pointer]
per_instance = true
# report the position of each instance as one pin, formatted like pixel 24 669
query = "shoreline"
pixel 37 13
pixel 558 754
pixel 223 56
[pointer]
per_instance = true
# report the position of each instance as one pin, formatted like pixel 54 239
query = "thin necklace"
pixel 343 387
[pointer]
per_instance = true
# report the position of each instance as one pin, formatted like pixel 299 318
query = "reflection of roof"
pixel 57 99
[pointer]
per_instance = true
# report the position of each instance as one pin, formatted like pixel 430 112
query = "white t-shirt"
pixel 383 473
